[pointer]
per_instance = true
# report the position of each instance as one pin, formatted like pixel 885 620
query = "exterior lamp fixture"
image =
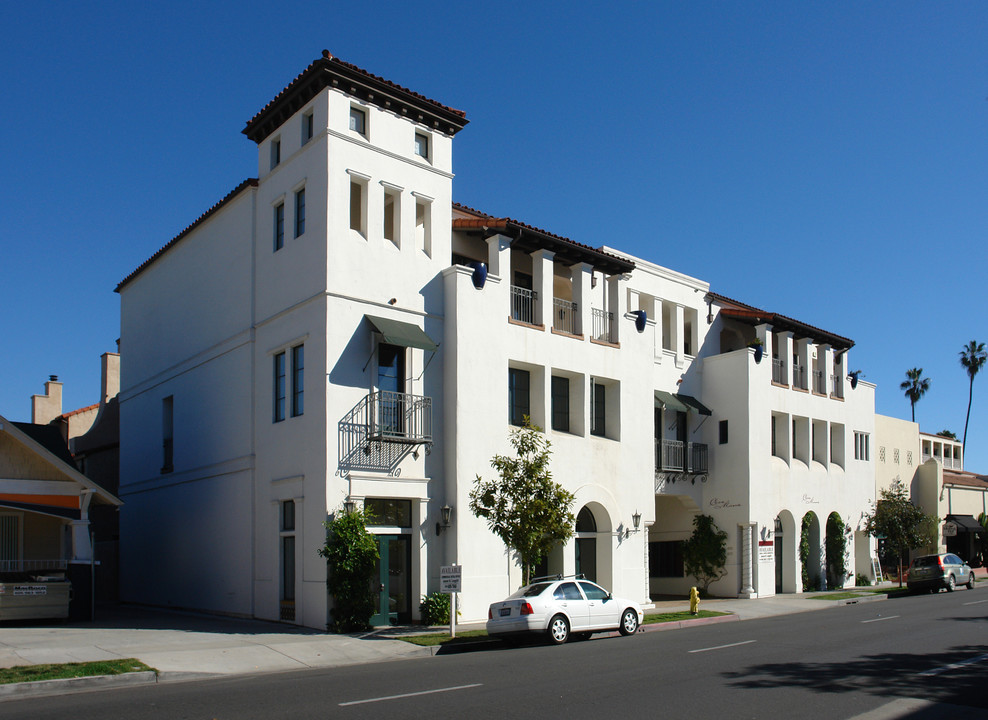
pixel 446 510
pixel 349 506
pixel 636 519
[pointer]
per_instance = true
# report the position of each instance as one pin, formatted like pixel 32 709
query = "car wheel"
pixel 951 583
pixel 558 630
pixel 970 580
pixel 629 622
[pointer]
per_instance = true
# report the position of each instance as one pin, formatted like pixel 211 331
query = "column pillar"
pixel 747 587
pixel 581 274
pixel 499 256
pixel 542 284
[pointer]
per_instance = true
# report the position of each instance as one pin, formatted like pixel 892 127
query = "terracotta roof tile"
pixel 95 406
pixel 249 182
pixel 743 311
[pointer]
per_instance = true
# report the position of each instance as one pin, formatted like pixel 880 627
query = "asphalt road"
pixel 912 657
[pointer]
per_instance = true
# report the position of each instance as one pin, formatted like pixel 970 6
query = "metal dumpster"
pixel 34 597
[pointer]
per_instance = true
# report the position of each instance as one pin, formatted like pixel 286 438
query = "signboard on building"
pixel 450 579
pixel 766 551
pixel 950 529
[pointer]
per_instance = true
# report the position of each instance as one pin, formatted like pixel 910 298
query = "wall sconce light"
pixel 446 511
pixel 392 301
pixel 349 506
pixel 636 520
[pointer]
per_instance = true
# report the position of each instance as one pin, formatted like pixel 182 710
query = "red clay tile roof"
pixel 249 182
pixel 531 238
pixel 966 479
pixel 748 313
pixel 80 410
pixel 331 71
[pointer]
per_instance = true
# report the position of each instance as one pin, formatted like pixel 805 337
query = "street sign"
pixel 450 579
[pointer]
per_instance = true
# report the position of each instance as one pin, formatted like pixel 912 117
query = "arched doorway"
pixel 586 544
pixel 809 552
pixel 786 540
pixel 836 551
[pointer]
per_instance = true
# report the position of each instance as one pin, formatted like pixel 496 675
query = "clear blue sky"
pixel 826 161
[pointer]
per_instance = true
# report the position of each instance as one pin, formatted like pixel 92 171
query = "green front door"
pixel 394 579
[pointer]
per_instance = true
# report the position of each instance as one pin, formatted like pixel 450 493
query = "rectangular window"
pixel 423 229
pixel 279 387
pixel 275 152
pixel 307 127
pixel 861 449
pixel 665 559
pixel 774 447
pixel 723 432
pixel 396 513
pixel 357 207
pixel 422 145
pixel 287 515
pixel 518 396
pixel 167 433
pixel 299 212
pixel 560 404
pixel 392 215
pixel 358 121
pixel 279 226
pixel 298 380
pixel 598 406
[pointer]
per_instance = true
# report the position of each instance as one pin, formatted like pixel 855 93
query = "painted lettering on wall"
pixel 722 504
pixel 810 500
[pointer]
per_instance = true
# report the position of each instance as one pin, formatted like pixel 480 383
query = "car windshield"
pixel 530 590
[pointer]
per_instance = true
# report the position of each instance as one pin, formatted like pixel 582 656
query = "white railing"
pixel 779 371
pixel 603 325
pixel 819 382
pixel 523 304
pixel 838 388
pixel 799 377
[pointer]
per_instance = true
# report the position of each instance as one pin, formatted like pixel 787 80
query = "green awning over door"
pixel 681 403
pixel 396 332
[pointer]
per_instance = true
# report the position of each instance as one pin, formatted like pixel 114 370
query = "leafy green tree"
pixel 914 387
pixel 836 551
pixel 947 434
pixel 705 552
pixel 973 358
pixel 903 525
pixel 524 506
pixel 352 557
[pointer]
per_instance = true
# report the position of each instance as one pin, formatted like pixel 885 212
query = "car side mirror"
pixel 609 596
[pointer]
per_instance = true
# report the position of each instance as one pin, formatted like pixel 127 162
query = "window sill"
pixel 512 321
pixel 605 343
pixel 563 333
pixel 780 385
pixel 836 397
pixel 802 390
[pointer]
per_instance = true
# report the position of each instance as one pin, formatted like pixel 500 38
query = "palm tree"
pixel 915 387
pixel 973 358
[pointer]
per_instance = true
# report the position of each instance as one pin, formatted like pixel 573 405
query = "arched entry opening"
pixel 592 544
pixel 809 552
pixel 836 551
pixel 785 553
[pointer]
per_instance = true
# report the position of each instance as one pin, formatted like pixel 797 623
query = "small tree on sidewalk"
pixel 352 556
pixel 524 507
pixel 903 525
pixel 705 552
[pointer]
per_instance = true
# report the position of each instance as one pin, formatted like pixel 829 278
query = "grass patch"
pixel 60 671
pixel 443 638
pixel 840 595
pixel 680 615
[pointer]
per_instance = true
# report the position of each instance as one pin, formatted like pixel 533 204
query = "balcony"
pixel 779 371
pixel 683 457
pixel 382 429
pixel 603 325
pixel 799 377
pixel 564 316
pixel 838 391
pixel 819 382
pixel 523 304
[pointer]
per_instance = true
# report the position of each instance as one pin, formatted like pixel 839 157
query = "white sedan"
pixel 563 607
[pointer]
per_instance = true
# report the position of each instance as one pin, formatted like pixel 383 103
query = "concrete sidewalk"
pixel 184 645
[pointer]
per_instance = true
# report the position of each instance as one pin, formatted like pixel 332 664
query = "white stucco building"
pixel 326 334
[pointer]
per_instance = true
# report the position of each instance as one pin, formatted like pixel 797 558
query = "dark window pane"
pixel 518 396
pixel 560 404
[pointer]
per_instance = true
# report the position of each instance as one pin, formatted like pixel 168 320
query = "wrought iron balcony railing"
pixel 678 456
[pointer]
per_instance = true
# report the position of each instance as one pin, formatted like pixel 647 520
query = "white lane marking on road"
pixel 953 666
pixel 408 695
pixel 721 647
pixel 976 602
pixel 890 617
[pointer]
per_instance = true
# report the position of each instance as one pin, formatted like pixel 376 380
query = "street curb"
pixel 874 597
pixel 38 688
pixel 677 624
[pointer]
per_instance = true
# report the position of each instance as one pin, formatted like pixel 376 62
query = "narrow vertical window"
pixel 279 226
pixel 307 127
pixel 597 409
pixel 723 432
pixel 358 121
pixel 167 434
pixel 288 560
pixel 422 145
pixel 279 387
pixel 275 152
pixel 392 215
pixel 298 380
pixel 423 226
pixel 560 404
pixel 299 212
pixel 518 396
pixel 357 207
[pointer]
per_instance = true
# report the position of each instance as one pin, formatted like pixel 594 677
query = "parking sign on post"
pixel 450 581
